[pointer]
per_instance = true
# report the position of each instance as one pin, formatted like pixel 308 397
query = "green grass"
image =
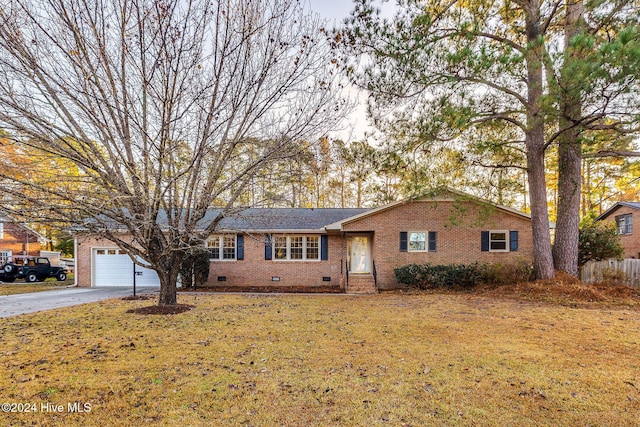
pixel 392 359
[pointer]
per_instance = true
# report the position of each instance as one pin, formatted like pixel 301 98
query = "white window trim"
pixel 626 228
pixel 5 256
pixel 304 249
pixel 507 242
pixel 1 230
pixel 221 247
pixel 426 241
pixel 109 251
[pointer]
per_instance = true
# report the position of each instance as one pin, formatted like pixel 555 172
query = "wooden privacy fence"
pixel 625 271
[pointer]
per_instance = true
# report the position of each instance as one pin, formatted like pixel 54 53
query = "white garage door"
pixel 113 267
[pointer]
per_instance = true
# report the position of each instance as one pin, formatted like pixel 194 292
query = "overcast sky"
pixel 335 11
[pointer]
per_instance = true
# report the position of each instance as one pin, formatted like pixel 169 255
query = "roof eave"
pixel 272 231
pixel 616 205
pixel 338 226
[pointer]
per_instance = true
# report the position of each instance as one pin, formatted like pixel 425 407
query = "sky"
pixel 335 11
pixel 332 9
pixel 339 9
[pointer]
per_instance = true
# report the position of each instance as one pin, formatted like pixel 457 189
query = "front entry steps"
pixel 361 284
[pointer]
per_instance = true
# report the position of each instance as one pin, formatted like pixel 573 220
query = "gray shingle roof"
pixel 259 219
pixel 282 218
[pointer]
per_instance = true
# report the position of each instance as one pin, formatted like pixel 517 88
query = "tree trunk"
pixel 166 262
pixel 535 143
pixel 168 284
pixel 565 249
pixel 543 260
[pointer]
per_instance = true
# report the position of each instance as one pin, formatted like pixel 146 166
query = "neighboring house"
pixel 18 239
pixel 624 215
pixel 356 249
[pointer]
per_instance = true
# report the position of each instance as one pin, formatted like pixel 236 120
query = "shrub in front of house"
pixel 505 273
pixel 194 270
pixel 598 241
pixel 425 276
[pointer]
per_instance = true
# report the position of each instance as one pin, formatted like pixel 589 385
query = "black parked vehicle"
pixel 32 269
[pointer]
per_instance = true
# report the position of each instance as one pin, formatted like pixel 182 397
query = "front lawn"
pixel 21 287
pixel 392 359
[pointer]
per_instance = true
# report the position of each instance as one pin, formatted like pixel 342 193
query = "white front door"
pixel 359 254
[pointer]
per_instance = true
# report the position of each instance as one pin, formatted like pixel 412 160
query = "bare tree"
pixel 167 108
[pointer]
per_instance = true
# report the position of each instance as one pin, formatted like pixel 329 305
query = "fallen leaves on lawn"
pixel 162 309
pixel 395 358
pixel 564 290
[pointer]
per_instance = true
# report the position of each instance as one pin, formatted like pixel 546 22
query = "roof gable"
pixel 314 219
pixel 633 205
pixel 437 194
pixel 22 227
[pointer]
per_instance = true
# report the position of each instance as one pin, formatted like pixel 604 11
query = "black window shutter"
pixel 240 248
pixel 484 241
pixel 267 248
pixel 513 240
pixel 432 241
pixel 403 241
pixel 324 247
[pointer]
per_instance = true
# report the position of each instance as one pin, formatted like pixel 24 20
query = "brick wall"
pixel 19 241
pixel 458 226
pixel 630 242
pixel 83 258
pixel 254 270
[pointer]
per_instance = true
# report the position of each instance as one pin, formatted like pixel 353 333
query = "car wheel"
pixel 62 276
pixel 31 277
pixel 8 268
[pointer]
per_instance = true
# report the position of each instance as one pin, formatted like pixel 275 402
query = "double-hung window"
pixel 624 224
pixel 417 241
pixel 222 246
pixel 498 241
pixel 296 248
pixel 280 247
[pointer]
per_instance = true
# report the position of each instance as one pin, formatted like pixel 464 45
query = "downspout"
pixel 75 262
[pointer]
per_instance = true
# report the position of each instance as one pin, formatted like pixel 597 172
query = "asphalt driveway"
pixel 13 305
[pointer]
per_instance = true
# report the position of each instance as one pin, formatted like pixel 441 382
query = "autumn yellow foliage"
pixel 395 359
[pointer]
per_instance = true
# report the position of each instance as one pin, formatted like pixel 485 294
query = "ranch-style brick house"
pixel 624 215
pixel 356 249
